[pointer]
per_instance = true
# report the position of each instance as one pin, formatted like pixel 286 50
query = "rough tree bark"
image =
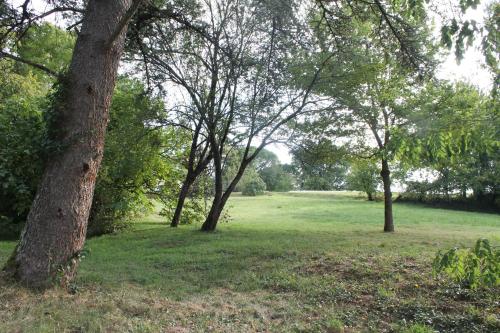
pixel 55 229
pixel 385 173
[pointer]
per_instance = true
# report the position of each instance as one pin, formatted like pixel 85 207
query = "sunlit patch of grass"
pixel 307 262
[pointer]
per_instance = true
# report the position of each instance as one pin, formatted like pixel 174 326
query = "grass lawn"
pixel 294 262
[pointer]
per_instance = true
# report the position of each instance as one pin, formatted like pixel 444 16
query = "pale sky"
pixel 471 69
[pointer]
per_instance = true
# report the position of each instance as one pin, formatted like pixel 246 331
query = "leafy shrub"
pixel 22 132
pixel 133 165
pixel 253 187
pixel 133 170
pixel 193 211
pixel 471 267
pixel 196 205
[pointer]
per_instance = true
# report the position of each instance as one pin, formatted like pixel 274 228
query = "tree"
pixel 277 178
pixel 233 70
pixel 251 184
pixel 320 165
pixel 272 172
pixel 380 105
pixel 364 176
pixel 455 132
pixel 372 70
pixel 262 101
pixel 198 160
pixel 55 229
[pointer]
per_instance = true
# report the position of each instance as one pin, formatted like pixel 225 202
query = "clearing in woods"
pixel 303 262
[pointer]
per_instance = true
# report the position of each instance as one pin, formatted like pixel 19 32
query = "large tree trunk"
pixel 55 229
pixel 386 179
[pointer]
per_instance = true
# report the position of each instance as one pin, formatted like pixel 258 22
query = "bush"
pixel 193 211
pixel 470 267
pixel 133 171
pixel 253 187
pixel 22 137
pixel 132 166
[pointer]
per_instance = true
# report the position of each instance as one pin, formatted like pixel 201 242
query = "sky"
pixel 470 69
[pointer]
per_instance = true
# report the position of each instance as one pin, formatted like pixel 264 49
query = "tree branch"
pixel 47 70
pixel 123 22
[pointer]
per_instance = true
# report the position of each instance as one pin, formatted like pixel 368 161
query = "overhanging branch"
pixel 43 68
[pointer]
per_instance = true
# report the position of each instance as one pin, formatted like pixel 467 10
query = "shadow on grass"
pixel 184 261
pixel 472 207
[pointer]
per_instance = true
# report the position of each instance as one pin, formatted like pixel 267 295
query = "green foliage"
pixel 460 32
pixel 320 165
pixel 25 110
pixel 22 137
pixel 471 267
pixel 195 208
pixel 456 135
pixel 265 167
pixel 277 179
pixel 364 176
pixel 491 43
pixel 134 169
pixel 253 187
pixel 40 45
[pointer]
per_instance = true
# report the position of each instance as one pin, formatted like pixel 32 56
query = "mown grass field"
pixel 295 262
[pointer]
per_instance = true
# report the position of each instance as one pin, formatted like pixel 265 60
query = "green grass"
pixel 303 262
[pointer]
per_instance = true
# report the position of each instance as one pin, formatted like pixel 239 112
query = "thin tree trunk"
pixel 191 177
pixel 218 205
pixel 386 179
pixel 215 211
pixel 56 225
pixel 182 198
pixel 213 217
